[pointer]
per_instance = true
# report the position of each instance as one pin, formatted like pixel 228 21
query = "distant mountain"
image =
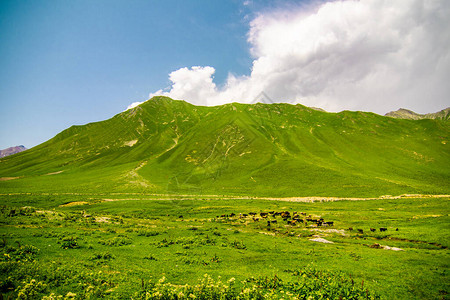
pixel 408 114
pixel 12 150
pixel 169 146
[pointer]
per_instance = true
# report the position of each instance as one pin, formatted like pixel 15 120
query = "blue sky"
pixel 73 62
pixel 67 62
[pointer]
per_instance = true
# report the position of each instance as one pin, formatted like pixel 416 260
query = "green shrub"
pixel 25 253
pixel 30 290
pixel 69 242
pixel 102 256
pixel 147 233
pixel 116 241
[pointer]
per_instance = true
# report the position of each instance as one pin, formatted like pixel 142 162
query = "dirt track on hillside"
pixel 331 199
pixel 170 197
pixel 287 199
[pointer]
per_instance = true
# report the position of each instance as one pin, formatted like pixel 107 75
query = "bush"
pixel 310 284
pixel 69 242
pixel 102 256
pixel 30 290
pixel 26 253
pixel 116 241
pixel 147 233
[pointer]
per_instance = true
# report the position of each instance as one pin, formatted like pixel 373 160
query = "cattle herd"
pixel 272 217
pixel 292 219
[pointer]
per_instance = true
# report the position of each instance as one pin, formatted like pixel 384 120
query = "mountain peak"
pixel 404 113
pixel 12 150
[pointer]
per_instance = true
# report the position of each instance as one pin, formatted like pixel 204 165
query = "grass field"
pixel 123 246
pixel 117 209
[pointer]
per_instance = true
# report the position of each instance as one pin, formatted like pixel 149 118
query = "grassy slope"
pixel 277 150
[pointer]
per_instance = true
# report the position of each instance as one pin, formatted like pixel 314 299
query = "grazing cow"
pixel 383 229
pixel 360 231
pixel 293 222
pixel 285 215
pixel 396 229
pixel 303 214
pixel 252 213
pixel 255 219
pixel 232 214
pixel 181 217
pixel 372 229
pixel 268 223
pixel 245 215
pixel 271 212
pixel 263 215
pixel 223 216
pixel 350 228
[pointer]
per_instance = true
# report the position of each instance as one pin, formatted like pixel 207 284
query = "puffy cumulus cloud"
pixel 368 55
pixel 195 85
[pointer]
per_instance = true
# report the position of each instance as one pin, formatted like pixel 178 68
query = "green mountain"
pixel 409 114
pixel 170 146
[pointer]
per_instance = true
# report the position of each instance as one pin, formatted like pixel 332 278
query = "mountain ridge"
pixel 171 146
pixel 404 113
pixel 12 150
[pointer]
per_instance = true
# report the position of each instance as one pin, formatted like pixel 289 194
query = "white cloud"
pixel 370 55
pixel 133 105
pixel 195 85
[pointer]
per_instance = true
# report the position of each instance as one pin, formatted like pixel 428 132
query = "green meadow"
pixel 136 246
pixel 174 201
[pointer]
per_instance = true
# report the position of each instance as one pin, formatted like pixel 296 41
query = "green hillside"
pixel 170 146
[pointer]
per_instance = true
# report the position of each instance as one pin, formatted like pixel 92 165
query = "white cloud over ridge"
pixel 370 55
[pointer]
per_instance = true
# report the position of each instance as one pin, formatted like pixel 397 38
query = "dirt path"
pixel 151 196
pixel 330 199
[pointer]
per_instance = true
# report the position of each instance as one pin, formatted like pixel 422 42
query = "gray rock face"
pixel 409 114
pixel 12 150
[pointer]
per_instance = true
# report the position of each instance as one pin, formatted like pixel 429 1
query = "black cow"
pixel 383 229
